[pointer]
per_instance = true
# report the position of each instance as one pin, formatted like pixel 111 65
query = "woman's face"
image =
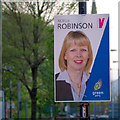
pixel 77 57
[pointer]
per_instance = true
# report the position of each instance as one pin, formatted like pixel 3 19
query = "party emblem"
pixel 98 85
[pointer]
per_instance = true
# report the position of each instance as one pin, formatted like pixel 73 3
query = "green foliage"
pixel 46 72
pixel 28 46
pixel 12 48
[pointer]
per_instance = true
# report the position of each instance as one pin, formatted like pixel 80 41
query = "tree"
pixel 24 36
pixel 94 8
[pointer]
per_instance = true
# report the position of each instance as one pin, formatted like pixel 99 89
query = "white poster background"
pixel 94 34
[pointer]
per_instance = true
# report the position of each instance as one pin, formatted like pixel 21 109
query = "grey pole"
pixel 19 99
pixel 1 108
pixel 83 10
pixel 51 110
pixel 25 108
pixel 94 110
pixel 112 108
pixel 119 60
pixel 0 46
pixel 10 99
pixel 9 68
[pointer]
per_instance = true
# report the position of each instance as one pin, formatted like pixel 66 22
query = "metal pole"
pixel 1 108
pixel 112 109
pixel 83 106
pixel 10 99
pixel 5 107
pixel 82 8
pixel 25 108
pixel 0 46
pixel 19 99
pixel 84 110
pixel 51 109
pixel 119 61
pixel 94 110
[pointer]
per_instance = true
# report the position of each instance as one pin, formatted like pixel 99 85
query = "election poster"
pixel 81 58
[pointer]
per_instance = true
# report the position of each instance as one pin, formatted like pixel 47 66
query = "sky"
pixel 109 7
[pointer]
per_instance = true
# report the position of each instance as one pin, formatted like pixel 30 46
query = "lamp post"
pixel 19 99
pixel 1 92
pixel 10 99
pixel 118 88
pixel 114 50
pixel 9 68
pixel 82 7
pixel 0 47
pixel 83 106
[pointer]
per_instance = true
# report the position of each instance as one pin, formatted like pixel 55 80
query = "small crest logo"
pixel 98 85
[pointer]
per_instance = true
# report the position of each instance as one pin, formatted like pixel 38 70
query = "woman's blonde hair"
pixel 80 39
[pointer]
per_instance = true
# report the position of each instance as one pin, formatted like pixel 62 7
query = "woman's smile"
pixel 78 61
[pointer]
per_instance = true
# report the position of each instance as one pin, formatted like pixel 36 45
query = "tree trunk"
pixel 34 94
pixel 33 107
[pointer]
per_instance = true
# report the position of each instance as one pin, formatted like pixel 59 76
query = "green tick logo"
pixel 98 85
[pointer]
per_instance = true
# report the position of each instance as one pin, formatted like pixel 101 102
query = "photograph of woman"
pixel 74 62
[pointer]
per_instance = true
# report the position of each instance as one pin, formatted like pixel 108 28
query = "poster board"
pixel 96 28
